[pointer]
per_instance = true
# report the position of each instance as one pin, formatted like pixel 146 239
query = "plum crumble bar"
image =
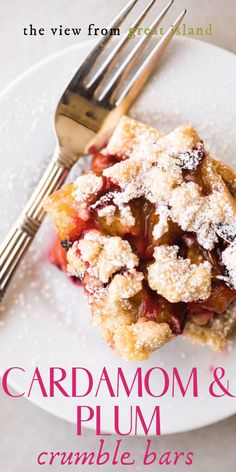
pixel 150 232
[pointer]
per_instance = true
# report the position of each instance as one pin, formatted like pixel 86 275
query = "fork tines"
pixel 111 95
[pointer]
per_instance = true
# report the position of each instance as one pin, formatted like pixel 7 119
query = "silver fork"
pixel 85 116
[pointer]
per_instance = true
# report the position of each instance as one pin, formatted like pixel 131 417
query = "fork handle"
pixel 23 231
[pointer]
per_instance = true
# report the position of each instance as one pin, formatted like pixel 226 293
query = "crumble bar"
pixel 150 233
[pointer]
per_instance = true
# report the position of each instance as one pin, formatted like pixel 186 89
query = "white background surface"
pixel 24 429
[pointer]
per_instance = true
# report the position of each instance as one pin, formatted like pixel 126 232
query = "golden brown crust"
pixel 228 175
pixel 129 134
pixel 216 334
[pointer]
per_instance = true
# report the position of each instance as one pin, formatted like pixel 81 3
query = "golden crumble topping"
pixel 86 186
pixel 125 285
pixel 176 278
pixel 128 135
pixel 105 254
pixel 138 341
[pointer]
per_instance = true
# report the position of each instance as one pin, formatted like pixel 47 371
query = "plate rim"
pixel 42 62
pixel 7 89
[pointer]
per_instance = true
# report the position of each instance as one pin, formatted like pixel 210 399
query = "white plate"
pixel 44 319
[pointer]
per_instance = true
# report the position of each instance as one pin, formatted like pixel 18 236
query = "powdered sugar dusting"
pixel 162 226
pixel 86 186
pixel 154 170
pixel 176 279
pixel 191 160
